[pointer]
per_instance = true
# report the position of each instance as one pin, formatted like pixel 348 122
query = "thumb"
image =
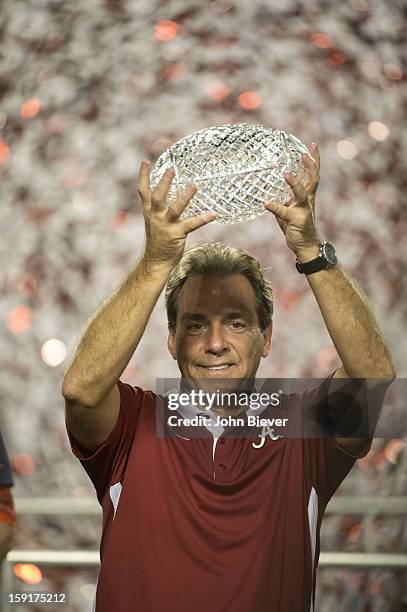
pixel 280 211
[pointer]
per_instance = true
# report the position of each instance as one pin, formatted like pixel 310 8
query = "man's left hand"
pixel 296 218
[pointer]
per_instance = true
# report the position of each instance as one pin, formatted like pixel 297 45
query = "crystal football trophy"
pixel 236 168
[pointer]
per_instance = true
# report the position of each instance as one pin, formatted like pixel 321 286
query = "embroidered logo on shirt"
pixel 266 431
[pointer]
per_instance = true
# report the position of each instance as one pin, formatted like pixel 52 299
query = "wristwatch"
pixel 326 259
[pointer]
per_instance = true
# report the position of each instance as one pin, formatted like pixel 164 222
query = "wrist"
pixel 308 253
pixel 149 265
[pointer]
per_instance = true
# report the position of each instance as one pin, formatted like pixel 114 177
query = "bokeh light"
pixel 166 30
pixel 19 319
pixel 53 352
pixel 393 72
pixel 321 40
pixel 370 69
pixel 30 108
pixel 4 152
pixel 217 90
pixel 249 100
pixel 378 130
pixel 28 573
pixel 346 149
pixel 23 464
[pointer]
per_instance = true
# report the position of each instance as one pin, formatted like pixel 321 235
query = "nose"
pixel 215 341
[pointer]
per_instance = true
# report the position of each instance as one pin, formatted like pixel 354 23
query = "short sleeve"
pixel 6 479
pixel 107 463
pixel 326 463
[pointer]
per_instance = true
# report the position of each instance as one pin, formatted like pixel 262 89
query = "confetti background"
pixel 87 90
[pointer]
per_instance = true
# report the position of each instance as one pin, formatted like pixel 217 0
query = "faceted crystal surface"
pixel 235 167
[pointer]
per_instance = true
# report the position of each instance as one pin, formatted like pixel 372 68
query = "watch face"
pixel 330 253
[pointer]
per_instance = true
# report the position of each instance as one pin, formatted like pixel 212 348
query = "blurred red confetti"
pixel 336 58
pixel 326 358
pixel 27 284
pixel 23 464
pixel 218 91
pixel 119 219
pixel 174 71
pixel 19 319
pixel 166 30
pixel 393 72
pixel 28 573
pixel 250 100
pixel 288 299
pixel 323 41
pixel 30 108
pixel 354 533
pixel 4 152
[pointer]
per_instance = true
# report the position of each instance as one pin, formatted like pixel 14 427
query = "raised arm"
pixel 92 398
pixel 348 318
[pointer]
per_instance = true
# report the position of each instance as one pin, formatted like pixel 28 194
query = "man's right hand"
pixel 165 233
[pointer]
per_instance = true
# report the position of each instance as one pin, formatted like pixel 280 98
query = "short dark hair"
pixel 223 260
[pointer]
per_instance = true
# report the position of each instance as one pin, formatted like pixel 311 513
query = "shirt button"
pixel 222 440
pixel 222 466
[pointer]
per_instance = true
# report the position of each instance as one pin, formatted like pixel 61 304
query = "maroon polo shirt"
pixel 209 525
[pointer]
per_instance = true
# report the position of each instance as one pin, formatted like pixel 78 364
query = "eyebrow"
pixel 231 314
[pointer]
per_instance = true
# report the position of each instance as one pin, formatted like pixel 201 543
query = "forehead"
pixel 215 294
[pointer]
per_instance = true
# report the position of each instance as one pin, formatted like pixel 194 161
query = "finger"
pixel 160 193
pixel 143 185
pixel 191 224
pixel 315 155
pixel 312 168
pixel 298 189
pixel 279 210
pixel 182 202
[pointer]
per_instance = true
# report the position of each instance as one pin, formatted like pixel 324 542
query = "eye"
pixel 195 327
pixel 237 325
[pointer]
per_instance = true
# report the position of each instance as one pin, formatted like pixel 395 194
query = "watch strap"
pixel 315 265
pixel 319 263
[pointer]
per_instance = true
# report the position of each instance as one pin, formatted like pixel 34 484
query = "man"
pixel 7 514
pixel 215 522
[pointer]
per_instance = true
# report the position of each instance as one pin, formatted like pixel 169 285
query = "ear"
pixel 171 343
pixel 267 333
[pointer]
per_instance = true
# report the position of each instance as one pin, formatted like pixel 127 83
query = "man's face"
pixel 217 325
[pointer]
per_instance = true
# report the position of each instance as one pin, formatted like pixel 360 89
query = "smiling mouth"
pixel 218 368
